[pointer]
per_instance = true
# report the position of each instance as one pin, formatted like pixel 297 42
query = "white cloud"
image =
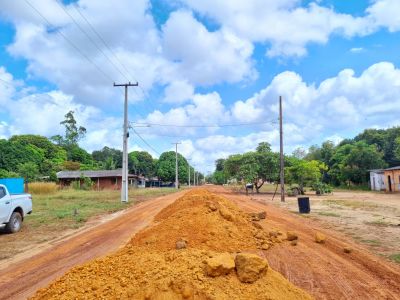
pixel 206 57
pixel 357 50
pixel 385 13
pixel 178 91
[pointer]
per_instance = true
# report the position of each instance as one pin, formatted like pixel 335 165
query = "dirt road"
pixel 21 279
pixel 325 271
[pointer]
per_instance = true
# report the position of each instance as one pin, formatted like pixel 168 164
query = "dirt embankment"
pixel 200 247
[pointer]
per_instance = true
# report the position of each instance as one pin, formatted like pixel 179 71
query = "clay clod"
pixel 347 250
pixel 250 267
pixel 291 236
pixel 181 244
pixel 221 264
pixel 226 214
pixel 320 238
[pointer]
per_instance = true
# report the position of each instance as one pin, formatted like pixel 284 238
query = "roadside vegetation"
pixel 39 158
pixel 344 166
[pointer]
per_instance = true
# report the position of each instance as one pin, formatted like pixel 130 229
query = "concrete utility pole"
pixel 194 176
pixel 176 165
pixel 198 178
pixel 282 165
pixel 124 184
pixel 189 171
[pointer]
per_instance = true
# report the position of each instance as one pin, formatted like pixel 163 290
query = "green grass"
pixel 395 257
pixel 328 214
pixel 351 204
pixel 372 242
pixel 72 208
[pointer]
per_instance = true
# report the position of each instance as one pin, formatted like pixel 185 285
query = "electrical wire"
pixel 90 39
pixel 204 126
pixel 76 48
pixel 144 141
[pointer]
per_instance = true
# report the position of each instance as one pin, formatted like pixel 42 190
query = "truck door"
pixel 4 205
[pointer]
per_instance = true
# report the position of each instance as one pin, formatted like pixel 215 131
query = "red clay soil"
pixel 21 279
pixel 324 270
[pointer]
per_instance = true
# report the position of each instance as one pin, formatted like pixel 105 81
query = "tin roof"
pixel 91 174
pixel 393 168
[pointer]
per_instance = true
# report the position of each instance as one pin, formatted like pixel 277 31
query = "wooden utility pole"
pixel 176 165
pixel 282 164
pixel 124 183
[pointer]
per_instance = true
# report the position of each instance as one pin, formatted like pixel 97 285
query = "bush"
pixel 321 188
pixel 42 188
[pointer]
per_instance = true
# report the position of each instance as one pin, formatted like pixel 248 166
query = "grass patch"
pixel 42 188
pixel 395 257
pixel 72 208
pixel 351 204
pixel 380 223
pixel 372 242
pixel 328 214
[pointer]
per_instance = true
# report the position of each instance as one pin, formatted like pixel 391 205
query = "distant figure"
pixel 249 186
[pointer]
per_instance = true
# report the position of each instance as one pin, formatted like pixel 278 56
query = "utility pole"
pixel 194 176
pixel 189 171
pixel 282 165
pixel 124 184
pixel 198 178
pixel 176 165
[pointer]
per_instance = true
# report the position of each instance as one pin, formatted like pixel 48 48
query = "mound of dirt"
pixel 221 259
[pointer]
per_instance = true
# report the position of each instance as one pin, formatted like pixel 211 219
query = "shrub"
pixel 42 188
pixel 321 188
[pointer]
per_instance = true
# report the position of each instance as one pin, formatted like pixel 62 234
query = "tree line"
pixel 347 163
pixel 36 157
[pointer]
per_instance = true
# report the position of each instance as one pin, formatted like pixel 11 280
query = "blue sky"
pixel 201 63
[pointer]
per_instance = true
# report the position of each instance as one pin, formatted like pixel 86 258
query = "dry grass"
pixel 42 188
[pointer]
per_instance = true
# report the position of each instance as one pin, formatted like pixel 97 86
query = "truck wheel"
pixel 15 223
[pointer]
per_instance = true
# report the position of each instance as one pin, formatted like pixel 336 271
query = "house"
pixel 102 179
pixel 392 179
pixel 377 179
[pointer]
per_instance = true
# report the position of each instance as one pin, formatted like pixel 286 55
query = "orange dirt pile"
pixel 151 267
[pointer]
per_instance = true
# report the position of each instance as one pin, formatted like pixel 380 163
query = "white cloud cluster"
pixel 289 27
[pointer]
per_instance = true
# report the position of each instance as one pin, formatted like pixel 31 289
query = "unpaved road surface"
pixel 21 279
pixel 323 270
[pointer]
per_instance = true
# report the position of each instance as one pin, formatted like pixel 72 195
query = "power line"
pixel 144 141
pixel 205 126
pixel 68 40
pixel 107 46
pixel 90 38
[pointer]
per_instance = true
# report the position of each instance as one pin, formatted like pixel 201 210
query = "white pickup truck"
pixel 13 209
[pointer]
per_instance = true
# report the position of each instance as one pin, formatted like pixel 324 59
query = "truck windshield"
pixel 2 192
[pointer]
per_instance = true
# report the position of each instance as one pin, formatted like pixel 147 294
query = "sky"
pixel 210 72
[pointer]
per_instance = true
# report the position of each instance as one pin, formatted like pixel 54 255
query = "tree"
pixel 73 133
pixel 299 153
pixel 29 171
pixel 397 148
pixel 219 164
pixel 351 162
pixel 254 167
pixel 166 167
pixel 108 158
pixel 141 162
pixel 304 173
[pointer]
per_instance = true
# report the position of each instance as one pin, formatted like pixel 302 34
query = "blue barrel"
pixel 304 205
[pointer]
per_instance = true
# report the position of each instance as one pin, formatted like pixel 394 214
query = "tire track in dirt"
pixel 325 271
pixel 21 279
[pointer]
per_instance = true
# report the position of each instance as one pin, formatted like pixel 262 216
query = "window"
pixel 2 192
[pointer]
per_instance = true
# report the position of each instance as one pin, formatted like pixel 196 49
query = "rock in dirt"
pixel 291 236
pixel 181 244
pixel 265 246
pixel 250 267
pixel 262 214
pixel 226 214
pixel 257 225
pixel 211 206
pixel 320 238
pixel 221 264
pixel 347 250
pixel 257 216
pixel 293 243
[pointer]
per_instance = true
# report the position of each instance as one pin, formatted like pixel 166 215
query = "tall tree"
pixel 166 167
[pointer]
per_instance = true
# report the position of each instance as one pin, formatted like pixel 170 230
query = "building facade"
pixel 102 179
pixel 392 179
pixel 377 180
